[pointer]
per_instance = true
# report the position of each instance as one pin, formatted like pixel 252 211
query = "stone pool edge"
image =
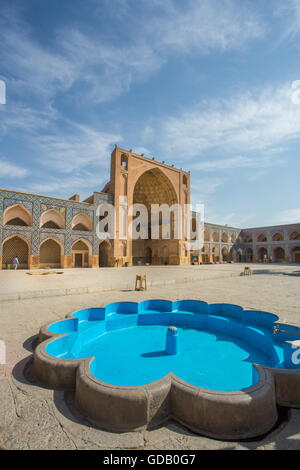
pixel 241 414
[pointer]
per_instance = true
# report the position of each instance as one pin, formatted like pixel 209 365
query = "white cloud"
pixel 102 70
pixel 289 11
pixel 81 149
pixel 289 216
pixel 83 184
pixel 256 121
pixel 11 170
pixel 234 163
pixel 15 116
pixel 204 25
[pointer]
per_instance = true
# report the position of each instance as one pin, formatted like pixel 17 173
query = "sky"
pixel 211 86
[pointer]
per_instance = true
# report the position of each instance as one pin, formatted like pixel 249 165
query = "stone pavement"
pixel 25 284
pixel 33 417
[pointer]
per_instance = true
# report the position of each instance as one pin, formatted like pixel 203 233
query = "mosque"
pixel 51 232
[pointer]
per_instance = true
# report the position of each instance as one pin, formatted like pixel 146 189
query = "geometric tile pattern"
pixel 12 202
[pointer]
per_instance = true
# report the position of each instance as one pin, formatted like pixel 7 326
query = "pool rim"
pixel 250 412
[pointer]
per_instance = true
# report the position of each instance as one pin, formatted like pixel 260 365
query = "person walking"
pixel 15 262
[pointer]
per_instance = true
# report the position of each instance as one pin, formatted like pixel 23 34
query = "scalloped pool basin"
pixel 217 343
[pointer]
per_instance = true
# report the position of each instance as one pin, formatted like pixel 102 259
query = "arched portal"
pixel 294 236
pixel 82 222
pixel 279 255
pixel 216 254
pixel 81 254
pixel 248 238
pixel 205 254
pixel 224 238
pixel 248 255
pixel 262 238
pixel 154 187
pixel 262 254
pixel 17 215
pixel 16 246
pixel 50 254
pixel 277 237
pixel 52 219
pixel 206 236
pixel 215 237
pixel 233 254
pixel 296 254
pixel 105 254
pixel 225 255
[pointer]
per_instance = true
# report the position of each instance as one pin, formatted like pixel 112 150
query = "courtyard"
pixel 34 417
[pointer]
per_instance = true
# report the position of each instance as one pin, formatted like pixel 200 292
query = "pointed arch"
pixel 225 254
pixel 262 254
pixel 248 255
pixel 82 222
pixel 295 252
pixel 224 238
pixel 295 236
pixel 262 237
pixel 82 253
pixel 17 215
pixel 279 254
pixel 52 219
pixel 16 245
pixel 105 254
pixel 215 254
pixel 51 253
pixel 277 237
pixel 215 237
pixel 248 238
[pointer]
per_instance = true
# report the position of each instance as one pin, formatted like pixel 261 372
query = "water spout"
pixel 172 340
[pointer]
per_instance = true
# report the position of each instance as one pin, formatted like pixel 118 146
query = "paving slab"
pixel 33 417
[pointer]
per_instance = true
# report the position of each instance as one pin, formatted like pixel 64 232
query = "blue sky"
pixel 205 85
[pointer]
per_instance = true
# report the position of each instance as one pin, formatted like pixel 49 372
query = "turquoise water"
pixel 204 359
pixel 217 344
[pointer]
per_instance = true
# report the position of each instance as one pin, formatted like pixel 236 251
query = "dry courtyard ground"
pixel 32 417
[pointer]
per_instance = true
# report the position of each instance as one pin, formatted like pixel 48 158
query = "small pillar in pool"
pixel 172 340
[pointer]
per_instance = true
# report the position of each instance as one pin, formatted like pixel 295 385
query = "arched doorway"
pixel 16 246
pixel 224 238
pixel 248 254
pixel 294 236
pixel 82 222
pixel 216 254
pixel 279 255
pixel 262 254
pixel 205 254
pixel 52 219
pixel 278 237
pixel 296 254
pixel 81 254
pixel 225 255
pixel 105 254
pixel 17 215
pixel 50 254
pixel 215 237
pixel 262 238
pixel 206 236
pixel 233 255
pixel 154 187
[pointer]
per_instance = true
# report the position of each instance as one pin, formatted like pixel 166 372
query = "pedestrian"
pixel 15 262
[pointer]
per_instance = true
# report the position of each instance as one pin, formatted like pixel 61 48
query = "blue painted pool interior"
pixel 217 343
